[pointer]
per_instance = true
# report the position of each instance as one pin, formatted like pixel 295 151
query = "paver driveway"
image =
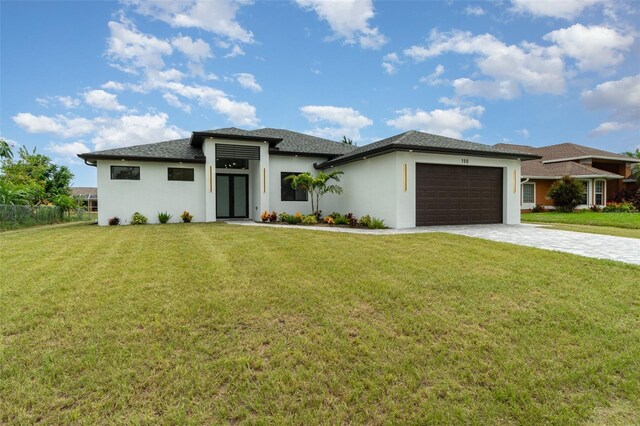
pixel 590 245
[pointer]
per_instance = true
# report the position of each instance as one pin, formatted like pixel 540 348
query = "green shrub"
pixel 138 219
pixel 376 223
pixel 566 193
pixel 619 208
pixel 365 221
pixel 340 220
pixel 113 221
pixel 291 219
pixel 164 217
pixel 310 219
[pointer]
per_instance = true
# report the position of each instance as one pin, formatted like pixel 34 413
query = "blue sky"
pixel 84 76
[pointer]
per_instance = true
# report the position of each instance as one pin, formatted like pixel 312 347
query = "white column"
pixel 263 202
pixel 209 149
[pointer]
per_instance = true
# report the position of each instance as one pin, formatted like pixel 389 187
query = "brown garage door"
pixel 458 195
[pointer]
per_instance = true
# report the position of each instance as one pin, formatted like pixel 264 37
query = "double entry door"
pixel 232 196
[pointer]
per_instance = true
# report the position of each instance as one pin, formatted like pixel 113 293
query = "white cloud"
pixel 432 79
pixel 389 62
pixel 567 9
pixel 65 126
pixel 348 20
pixel 489 89
pixel 174 101
pixel 68 101
pixel 102 100
pixel 113 85
pixel 248 81
pixel 621 98
pixel 235 51
pixel 448 122
pixel 196 51
pixel 474 11
pixel 523 132
pixel 343 121
pixel 134 49
pixel 533 68
pixel 70 149
pixel 218 17
pixel 594 48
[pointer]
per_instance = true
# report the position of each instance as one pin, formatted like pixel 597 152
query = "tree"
pixel 635 169
pixel 348 141
pixel 566 193
pixel 316 186
pixel 635 154
pixel 5 150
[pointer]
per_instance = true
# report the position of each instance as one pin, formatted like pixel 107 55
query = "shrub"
pixel 310 219
pixel 341 220
pixel 566 193
pixel 352 220
pixel 628 195
pixel 291 219
pixel 273 217
pixel 595 208
pixel 113 221
pixel 365 221
pixel 265 216
pixel 138 219
pixel 619 208
pixel 539 208
pixel 298 215
pixel 164 217
pixel 186 216
pixel 282 217
pixel 329 220
pixel 376 223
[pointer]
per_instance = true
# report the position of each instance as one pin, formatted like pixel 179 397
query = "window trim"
pixel 193 174
pixel 113 166
pixel 588 190
pixel 522 202
pixel 602 193
pixel 289 188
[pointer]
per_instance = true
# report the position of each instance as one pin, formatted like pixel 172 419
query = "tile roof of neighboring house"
pixel 84 191
pixel 560 160
pixel 426 142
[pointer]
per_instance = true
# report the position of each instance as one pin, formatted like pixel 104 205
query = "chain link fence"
pixel 19 216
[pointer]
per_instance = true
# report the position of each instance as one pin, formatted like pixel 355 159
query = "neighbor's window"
pixel 599 193
pixel 180 173
pixel 528 193
pixel 585 198
pixel 232 163
pixel 125 172
pixel 287 193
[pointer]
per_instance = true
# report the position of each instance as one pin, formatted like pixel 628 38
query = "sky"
pixel 79 76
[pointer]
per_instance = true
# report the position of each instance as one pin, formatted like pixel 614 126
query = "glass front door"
pixel 232 196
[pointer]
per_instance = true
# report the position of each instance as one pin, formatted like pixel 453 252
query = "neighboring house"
pixel 602 173
pixel 88 196
pixel 408 180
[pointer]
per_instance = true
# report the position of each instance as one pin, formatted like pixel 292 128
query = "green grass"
pixel 212 324
pixel 617 220
pixel 603 230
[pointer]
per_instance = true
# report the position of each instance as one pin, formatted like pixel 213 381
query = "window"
pixel 585 197
pixel 287 193
pixel 599 192
pixel 232 163
pixel 125 172
pixel 179 173
pixel 528 193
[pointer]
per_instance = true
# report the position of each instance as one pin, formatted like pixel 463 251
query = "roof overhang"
pixel 614 177
pixel 593 157
pixel 422 149
pixel 91 159
pixel 197 138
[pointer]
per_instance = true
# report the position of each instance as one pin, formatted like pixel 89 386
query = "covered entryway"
pixel 232 196
pixel 458 195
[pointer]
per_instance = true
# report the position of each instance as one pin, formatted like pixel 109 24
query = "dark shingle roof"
pixel 426 142
pixel 174 150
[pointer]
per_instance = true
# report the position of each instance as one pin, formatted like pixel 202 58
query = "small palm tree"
pixel 5 150
pixel 348 141
pixel 316 186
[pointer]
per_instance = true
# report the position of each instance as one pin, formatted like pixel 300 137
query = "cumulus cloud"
pixel 70 149
pixel 389 63
pixel 474 11
pixel 102 100
pixel 433 79
pixel 451 122
pixel 217 17
pixel 130 49
pixel 594 48
pixel 61 125
pixel 566 9
pixel 342 121
pixel 248 81
pixel 349 20
pixel 621 98
pixel 196 50
pixel 113 85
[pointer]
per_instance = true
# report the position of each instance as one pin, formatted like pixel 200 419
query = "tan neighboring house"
pixel 87 195
pixel 602 173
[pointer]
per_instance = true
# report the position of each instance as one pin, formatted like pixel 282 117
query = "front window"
pixel 232 163
pixel 599 192
pixel 287 192
pixel 180 174
pixel 528 191
pixel 585 197
pixel 125 173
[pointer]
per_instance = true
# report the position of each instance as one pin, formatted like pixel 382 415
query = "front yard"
pixel 618 220
pixel 213 323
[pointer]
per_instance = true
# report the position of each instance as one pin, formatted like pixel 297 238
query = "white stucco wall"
pixel 152 194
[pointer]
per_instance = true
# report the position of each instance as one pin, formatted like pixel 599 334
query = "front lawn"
pixel 618 220
pixel 214 324
pixel 602 230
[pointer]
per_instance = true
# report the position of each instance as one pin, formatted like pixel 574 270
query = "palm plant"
pixel 316 186
pixel 5 150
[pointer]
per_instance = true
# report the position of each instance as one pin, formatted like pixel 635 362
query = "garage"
pixel 458 195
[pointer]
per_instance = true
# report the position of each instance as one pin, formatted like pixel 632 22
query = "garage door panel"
pixel 450 195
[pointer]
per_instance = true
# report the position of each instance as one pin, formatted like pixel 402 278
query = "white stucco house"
pixel 411 179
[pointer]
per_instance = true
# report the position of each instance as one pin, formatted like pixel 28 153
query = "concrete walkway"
pixel 589 245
